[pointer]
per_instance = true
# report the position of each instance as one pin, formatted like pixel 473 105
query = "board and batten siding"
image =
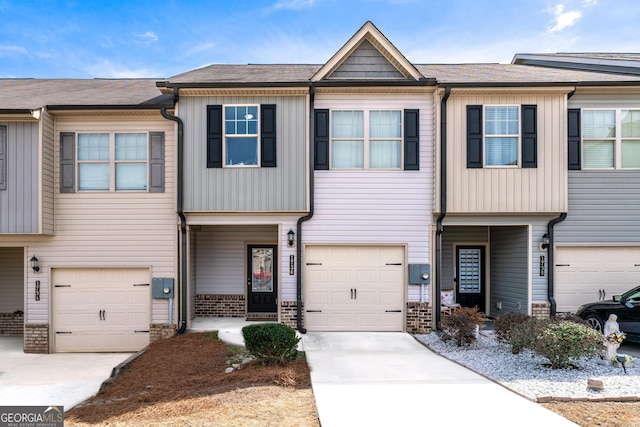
pixel 96 229
pixel 247 189
pixel 509 189
pixel 455 236
pixel 509 270
pixel 369 207
pixel 12 282
pixel 47 130
pixel 19 203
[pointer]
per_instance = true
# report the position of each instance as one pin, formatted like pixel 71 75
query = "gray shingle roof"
pixel 25 94
pixel 248 73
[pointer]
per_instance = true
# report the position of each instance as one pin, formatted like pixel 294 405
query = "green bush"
pixel 502 325
pixel 565 342
pixel 459 327
pixel 272 343
pixel 523 335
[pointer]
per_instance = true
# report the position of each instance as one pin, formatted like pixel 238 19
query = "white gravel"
pixel 526 374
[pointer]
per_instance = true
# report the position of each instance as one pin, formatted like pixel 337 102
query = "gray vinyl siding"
pixel 12 283
pixel 276 189
pixel 454 235
pixel 509 270
pixel 603 208
pixel 366 62
pixel 48 173
pixel 19 203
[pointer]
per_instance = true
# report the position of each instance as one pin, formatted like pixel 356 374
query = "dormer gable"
pixel 368 55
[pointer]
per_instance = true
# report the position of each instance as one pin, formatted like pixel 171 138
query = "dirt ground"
pixel 182 381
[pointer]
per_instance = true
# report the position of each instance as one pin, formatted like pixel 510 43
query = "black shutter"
pixel 321 140
pixel 156 162
pixel 214 136
pixel 573 134
pixel 411 140
pixel 67 162
pixel 3 157
pixel 268 136
pixel 529 136
pixel 474 136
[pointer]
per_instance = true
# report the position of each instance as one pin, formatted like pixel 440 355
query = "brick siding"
pixel 36 338
pixel 418 317
pixel 11 324
pixel 211 305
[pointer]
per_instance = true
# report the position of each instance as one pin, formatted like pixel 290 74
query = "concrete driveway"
pixel 62 379
pixel 390 379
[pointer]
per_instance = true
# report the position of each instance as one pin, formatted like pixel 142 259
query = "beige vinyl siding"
pixel 110 229
pixel 249 189
pixel 509 190
pixel 48 171
pixel 12 282
pixel 377 207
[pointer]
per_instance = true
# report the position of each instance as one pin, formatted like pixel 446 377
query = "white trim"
pixel 617 139
pixel 517 136
pixel 248 135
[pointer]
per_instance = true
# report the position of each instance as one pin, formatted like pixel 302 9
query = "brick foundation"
pixel 210 305
pixel 160 331
pixel 541 310
pixel 36 338
pixel 11 324
pixel 289 313
pixel 418 317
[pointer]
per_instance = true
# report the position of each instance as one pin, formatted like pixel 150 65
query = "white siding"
pixel 109 229
pixel 377 207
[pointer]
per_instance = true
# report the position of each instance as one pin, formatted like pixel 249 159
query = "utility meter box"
pixel 419 274
pixel 162 288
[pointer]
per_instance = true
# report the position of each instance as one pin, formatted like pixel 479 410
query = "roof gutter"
pixel 307 217
pixel 443 200
pixel 551 249
pixel 182 249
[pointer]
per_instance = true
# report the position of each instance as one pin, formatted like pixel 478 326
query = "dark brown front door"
pixel 470 286
pixel 262 280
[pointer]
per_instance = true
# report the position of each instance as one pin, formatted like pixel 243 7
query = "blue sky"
pixel 120 39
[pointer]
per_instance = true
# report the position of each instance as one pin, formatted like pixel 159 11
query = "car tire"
pixel 595 322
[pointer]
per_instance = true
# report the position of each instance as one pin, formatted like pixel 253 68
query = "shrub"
pixel 523 335
pixel 272 343
pixel 565 342
pixel 570 318
pixel 476 316
pixel 459 326
pixel 502 325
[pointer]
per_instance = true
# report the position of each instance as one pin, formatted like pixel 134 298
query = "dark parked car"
pixel 625 306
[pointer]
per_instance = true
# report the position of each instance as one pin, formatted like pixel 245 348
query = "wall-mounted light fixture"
pixel 290 236
pixel 545 241
pixel 34 264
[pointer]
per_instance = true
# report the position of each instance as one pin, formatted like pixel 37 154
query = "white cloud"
pixel 567 18
pixel 108 69
pixel 148 37
pixel 294 4
pixel 11 50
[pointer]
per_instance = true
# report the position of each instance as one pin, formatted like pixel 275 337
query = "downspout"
pixel 443 201
pixel 182 250
pixel 550 276
pixel 307 217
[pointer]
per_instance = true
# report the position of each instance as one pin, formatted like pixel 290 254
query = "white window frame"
pixel 517 137
pixel 617 139
pixel 112 162
pixel 367 139
pixel 226 136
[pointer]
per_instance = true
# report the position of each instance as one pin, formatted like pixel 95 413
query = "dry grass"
pixel 595 414
pixel 182 381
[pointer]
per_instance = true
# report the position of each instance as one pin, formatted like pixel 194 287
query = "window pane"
pixel 501 120
pixel 93 146
pixel 241 151
pixel 599 123
pixel 131 146
pixel 501 151
pixel 631 154
pixel 630 124
pixel 384 154
pixel 347 154
pixel 385 124
pixel 241 120
pixel 347 124
pixel 598 154
pixel 131 176
pixel 93 176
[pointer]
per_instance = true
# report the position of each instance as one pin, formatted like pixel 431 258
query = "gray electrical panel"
pixel 419 274
pixel 162 288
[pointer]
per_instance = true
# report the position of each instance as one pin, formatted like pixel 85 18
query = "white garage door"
pixel 354 288
pixel 583 272
pixel 98 310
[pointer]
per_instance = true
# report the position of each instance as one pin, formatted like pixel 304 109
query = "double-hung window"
pixel 366 139
pixel 112 161
pixel 241 135
pixel 611 139
pixel 502 130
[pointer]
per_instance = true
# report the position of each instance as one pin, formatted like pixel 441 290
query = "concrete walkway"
pixel 390 379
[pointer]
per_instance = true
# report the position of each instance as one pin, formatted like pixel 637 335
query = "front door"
pixel 470 287
pixel 262 278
